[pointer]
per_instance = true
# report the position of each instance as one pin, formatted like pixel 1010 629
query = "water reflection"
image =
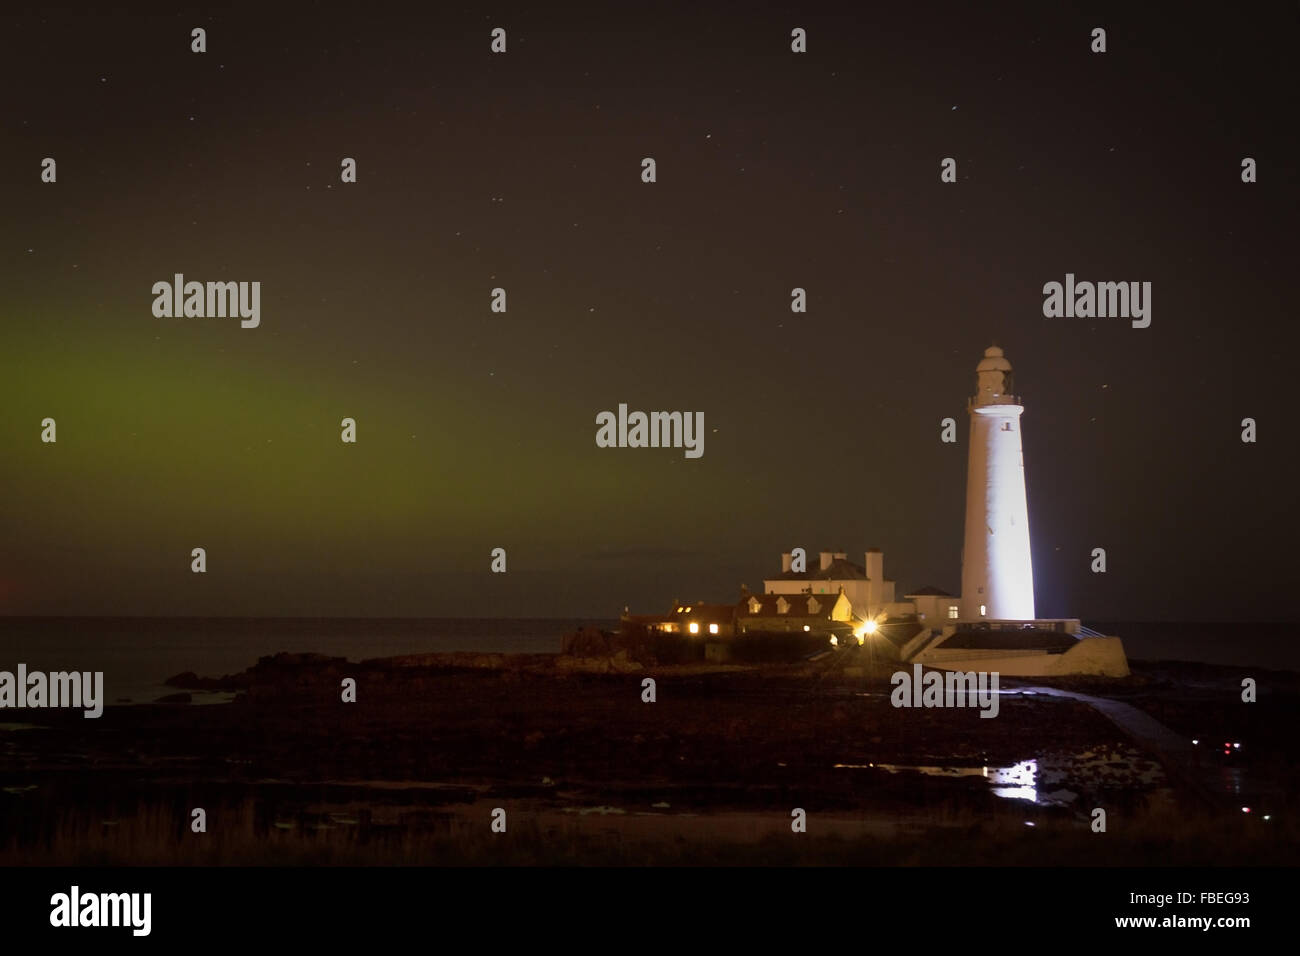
pixel 1017 782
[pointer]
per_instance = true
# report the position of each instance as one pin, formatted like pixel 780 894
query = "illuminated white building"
pixel 992 627
pixel 869 592
pixel 997 572
pixel 998 630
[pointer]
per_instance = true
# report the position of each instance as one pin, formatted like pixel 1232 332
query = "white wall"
pixel 1099 656
pixel 997 569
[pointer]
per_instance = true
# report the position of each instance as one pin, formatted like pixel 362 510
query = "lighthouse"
pixel 997 572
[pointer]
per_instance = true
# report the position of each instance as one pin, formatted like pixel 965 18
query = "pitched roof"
pixel 703 612
pixel 798 605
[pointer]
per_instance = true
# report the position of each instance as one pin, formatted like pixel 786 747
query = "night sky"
pixel 476 430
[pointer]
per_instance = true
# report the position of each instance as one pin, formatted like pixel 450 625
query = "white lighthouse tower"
pixel 997 572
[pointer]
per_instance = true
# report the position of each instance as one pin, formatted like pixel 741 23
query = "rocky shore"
pixel 588 769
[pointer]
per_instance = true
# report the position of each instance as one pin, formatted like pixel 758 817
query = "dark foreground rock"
pixel 434 742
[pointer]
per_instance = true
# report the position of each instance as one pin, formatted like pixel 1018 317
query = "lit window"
pixel 983 611
pixel 713 629
pixel 952 611
pixel 807 628
pixel 695 628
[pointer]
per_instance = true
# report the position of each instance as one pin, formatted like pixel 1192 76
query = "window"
pixel 1006 427
pixel 983 611
pixel 695 628
pixel 952 612
pixel 713 629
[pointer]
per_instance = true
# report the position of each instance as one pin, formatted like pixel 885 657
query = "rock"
pixel 623 663
pixel 192 681
pixel 585 642
pixel 174 699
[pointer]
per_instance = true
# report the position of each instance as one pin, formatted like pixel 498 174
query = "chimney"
pixel 786 558
pixel 840 556
pixel 826 560
pixel 875 565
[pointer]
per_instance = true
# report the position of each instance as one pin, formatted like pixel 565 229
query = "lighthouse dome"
pixel 993 361
pixel 993 379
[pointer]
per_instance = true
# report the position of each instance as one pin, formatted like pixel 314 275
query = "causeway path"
pixel 1175 752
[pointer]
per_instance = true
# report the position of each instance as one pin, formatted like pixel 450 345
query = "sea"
pixel 137 655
